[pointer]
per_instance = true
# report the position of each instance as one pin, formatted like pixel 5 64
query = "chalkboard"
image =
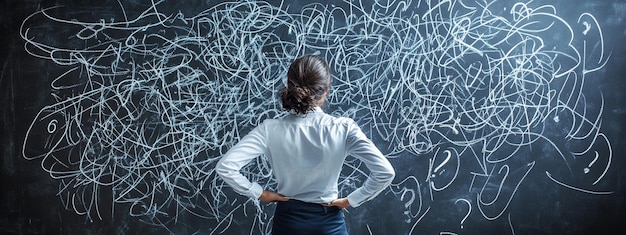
pixel 500 117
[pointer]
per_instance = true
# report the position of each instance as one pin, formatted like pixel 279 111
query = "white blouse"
pixel 306 153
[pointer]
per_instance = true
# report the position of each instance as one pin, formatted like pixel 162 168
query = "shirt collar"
pixel 315 110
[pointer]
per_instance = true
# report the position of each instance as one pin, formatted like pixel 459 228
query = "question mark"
pixel 586 170
pixel 442 163
pixel 587 27
pixel 469 210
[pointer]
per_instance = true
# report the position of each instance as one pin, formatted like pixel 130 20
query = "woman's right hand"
pixel 269 196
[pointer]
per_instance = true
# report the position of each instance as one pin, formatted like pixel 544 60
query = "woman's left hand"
pixel 341 203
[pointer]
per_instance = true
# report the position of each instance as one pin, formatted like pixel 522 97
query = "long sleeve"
pixel 381 171
pixel 228 168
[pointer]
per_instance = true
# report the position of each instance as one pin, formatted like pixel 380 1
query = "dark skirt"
pixel 302 218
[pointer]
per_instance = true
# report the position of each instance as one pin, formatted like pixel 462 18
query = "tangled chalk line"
pixel 149 103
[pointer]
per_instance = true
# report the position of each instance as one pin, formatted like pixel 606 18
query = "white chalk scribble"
pixel 147 103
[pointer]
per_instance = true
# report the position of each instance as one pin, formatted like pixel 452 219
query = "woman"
pixel 306 150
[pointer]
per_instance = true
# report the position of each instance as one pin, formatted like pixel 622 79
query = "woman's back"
pixel 306 153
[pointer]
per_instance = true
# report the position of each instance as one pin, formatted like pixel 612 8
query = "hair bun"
pixel 308 78
pixel 298 98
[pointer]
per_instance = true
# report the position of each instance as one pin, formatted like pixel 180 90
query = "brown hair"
pixel 308 78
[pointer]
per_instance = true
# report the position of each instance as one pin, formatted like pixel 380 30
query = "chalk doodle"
pixel 147 103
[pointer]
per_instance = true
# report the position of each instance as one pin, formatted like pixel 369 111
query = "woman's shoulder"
pixel 338 120
pixel 345 120
pixel 279 120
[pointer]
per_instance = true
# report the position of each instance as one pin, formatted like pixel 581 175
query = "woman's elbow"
pixel 221 169
pixel 386 176
pixel 390 175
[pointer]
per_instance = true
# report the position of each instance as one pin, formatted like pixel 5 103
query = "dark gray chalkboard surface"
pixel 500 117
